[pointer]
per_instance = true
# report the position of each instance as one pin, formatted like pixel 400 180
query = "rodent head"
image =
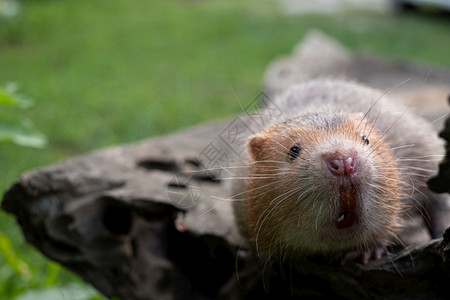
pixel 321 184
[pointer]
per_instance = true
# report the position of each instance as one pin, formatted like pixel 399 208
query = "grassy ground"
pixel 108 72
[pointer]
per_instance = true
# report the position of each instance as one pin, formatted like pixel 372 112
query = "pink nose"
pixel 339 164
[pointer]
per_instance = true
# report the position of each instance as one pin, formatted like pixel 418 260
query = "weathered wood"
pixel 147 221
pixel 110 216
pixel 413 273
pixel 441 183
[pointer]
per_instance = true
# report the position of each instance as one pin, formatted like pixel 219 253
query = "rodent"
pixel 341 169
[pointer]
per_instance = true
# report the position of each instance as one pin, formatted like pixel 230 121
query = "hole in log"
pixel 207 176
pixel 176 184
pixel 117 220
pixel 134 247
pixel 162 165
pixel 193 161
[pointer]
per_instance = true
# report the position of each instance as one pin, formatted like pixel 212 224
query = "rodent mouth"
pixel 347 213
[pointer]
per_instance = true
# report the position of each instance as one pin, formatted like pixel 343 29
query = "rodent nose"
pixel 339 164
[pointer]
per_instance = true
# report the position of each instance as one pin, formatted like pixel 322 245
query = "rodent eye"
pixel 294 152
pixel 365 139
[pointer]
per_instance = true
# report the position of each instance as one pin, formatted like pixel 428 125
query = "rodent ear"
pixel 255 146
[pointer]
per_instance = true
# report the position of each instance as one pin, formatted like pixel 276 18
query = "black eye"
pixel 294 152
pixel 365 139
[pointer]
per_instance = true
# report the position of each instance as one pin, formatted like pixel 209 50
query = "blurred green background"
pixel 105 72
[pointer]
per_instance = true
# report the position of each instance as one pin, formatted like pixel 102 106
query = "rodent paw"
pixel 363 256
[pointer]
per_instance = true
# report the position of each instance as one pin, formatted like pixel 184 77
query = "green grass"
pixel 117 71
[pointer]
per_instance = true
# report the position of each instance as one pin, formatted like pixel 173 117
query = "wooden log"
pixel 441 183
pixel 116 217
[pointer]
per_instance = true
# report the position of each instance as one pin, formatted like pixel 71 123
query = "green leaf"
pixel 10 97
pixel 19 266
pixel 52 273
pixel 20 131
pixel 70 292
